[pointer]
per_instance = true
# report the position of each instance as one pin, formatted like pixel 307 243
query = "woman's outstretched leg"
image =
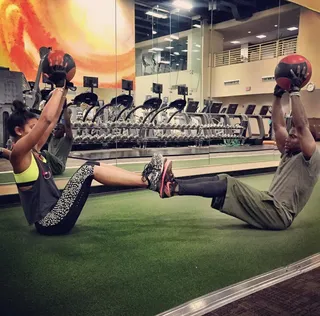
pixel 62 218
pixel 114 176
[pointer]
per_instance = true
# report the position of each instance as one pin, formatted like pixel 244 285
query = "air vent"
pixel 268 78
pixel 231 82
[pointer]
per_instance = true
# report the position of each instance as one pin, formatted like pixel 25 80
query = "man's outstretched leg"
pixel 208 187
pixel 230 196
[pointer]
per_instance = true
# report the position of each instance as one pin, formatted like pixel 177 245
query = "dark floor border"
pixel 13 199
pixel 214 300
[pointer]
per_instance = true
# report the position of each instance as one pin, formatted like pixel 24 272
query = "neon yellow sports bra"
pixel 31 174
pixel 38 201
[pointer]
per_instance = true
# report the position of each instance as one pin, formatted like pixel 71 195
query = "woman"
pixel 52 212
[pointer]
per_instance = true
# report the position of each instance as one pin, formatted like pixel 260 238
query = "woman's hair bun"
pixel 18 106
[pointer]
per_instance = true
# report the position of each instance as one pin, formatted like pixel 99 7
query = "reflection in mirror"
pixel 244 46
pixel 211 53
pixel 98 74
pixel 123 100
pixel 169 54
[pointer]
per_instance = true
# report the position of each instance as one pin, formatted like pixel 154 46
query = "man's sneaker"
pixel 168 183
pixel 169 189
pixel 153 170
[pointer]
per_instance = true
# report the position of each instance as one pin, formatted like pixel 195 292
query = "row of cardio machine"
pixel 158 123
pixel 257 127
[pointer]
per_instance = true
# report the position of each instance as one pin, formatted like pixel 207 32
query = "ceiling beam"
pixel 157 22
pixel 149 29
pixel 144 27
pixel 257 16
pixel 246 3
pixel 142 4
pixel 172 16
pixel 174 24
pixel 141 33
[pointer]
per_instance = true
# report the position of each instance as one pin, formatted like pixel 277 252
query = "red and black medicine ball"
pixel 283 75
pixel 59 58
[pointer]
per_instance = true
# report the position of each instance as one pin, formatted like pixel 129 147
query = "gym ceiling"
pixel 224 10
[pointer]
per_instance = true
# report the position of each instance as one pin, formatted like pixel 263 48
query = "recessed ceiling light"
pixel 197 26
pixel 185 50
pixel 167 62
pixel 181 4
pixel 154 32
pixel 157 15
pixel 261 36
pixel 249 32
pixel 172 55
pixel 169 47
pixel 168 39
pixel 276 25
pixel 293 28
pixel 157 49
pixel 177 53
pixel 197 45
pixel 235 42
pixel 177 64
pixel 175 37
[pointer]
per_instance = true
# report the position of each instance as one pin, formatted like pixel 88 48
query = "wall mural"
pixel 99 34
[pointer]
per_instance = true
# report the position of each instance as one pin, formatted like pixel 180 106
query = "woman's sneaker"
pixel 153 170
pixel 168 183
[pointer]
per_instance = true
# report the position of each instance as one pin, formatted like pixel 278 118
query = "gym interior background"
pixel 193 82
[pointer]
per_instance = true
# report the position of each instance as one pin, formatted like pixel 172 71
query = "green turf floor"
pixel 134 254
pixel 6 178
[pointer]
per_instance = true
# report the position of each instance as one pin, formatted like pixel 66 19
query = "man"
pixel 5 153
pixel 60 145
pixel 291 186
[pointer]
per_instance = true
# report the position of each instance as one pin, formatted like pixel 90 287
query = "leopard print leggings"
pixel 62 218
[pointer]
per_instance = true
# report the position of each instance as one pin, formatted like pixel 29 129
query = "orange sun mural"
pixel 99 34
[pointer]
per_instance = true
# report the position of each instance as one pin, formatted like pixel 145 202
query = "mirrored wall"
pixel 169 54
pixel 242 55
pixel 176 75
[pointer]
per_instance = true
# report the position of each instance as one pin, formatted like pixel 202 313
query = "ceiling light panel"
pixel 293 28
pixel 157 15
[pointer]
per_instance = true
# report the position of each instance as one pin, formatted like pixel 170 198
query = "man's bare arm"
pixel 299 115
pixel 301 123
pixel 278 121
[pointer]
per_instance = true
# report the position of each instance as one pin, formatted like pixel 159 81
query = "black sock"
pixel 199 180
pixel 209 189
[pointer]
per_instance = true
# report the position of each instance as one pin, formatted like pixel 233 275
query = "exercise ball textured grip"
pixel 282 72
pixel 57 58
